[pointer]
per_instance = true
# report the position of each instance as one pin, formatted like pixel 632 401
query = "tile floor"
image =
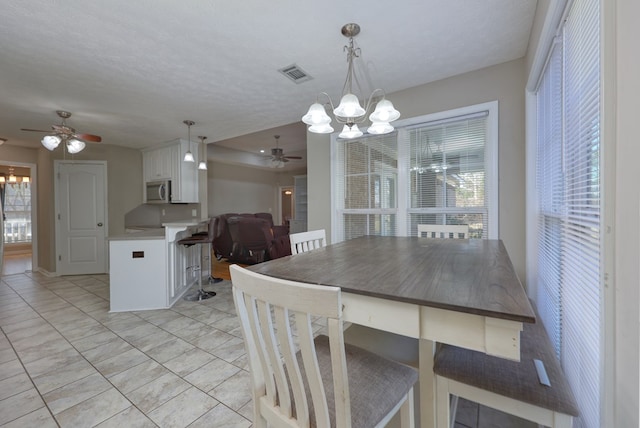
pixel 66 361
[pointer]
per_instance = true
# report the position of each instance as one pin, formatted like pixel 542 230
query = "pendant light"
pixel 188 157
pixel 203 164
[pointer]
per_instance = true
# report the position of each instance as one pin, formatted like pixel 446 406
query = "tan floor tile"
pixel 171 349
pixel 40 418
pixel 159 338
pixel 129 418
pixel 107 350
pixel 52 362
pixel 10 369
pixel 181 323
pixel 37 352
pixel 212 340
pixel 76 392
pixel 95 340
pixel 188 362
pixel 94 410
pixel 137 376
pixel 20 405
pixel 14 385
pixel 7 355
pixel 230 350
pixel 183 409
pixel 234 392
pixel 121 362
pixel 63 376
pixel 158 392
pixel 212 374
pixel 221 416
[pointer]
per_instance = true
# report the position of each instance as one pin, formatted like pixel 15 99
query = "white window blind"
pixel 568 186
pixel 366 186
pixel 447 179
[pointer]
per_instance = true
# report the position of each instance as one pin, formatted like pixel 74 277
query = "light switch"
pixel 194 212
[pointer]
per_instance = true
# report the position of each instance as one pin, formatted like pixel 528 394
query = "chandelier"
pixel 349 111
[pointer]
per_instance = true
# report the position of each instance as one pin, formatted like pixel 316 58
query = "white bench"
pixel 509 386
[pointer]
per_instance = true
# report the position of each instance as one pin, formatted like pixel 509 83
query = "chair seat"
pixel 194 239
pixel 376 383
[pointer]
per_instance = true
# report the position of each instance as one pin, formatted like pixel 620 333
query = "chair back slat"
pixel 307 241
pixel 276 316
pixel 446 231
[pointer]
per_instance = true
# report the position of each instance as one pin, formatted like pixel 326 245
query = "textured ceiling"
pixel 132 71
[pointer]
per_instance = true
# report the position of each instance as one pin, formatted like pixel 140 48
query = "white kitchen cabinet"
pixel 166 163
pixel 157 164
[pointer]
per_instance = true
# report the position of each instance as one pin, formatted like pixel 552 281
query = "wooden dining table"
pixel 462 292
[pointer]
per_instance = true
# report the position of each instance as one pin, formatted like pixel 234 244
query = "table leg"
pixel 427 384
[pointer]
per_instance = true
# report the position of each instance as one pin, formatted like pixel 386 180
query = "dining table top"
pixel 473 276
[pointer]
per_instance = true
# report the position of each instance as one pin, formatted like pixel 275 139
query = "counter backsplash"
pixel 153 215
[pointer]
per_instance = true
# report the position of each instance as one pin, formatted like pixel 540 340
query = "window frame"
pixel 403 206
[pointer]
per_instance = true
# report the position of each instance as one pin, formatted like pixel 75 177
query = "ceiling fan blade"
pixel 89 137
pixel 33 130
pixel 293 157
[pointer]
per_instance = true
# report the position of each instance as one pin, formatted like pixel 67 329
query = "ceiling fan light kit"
pixel 74 142
pixel 349 111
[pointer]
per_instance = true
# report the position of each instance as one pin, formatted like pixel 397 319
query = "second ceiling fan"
pixel 278 158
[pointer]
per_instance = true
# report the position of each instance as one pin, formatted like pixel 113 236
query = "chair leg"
pixel 212 279
pixel 407 412
pixel 200 294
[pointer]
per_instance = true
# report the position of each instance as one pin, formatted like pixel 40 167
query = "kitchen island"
pixel 148 270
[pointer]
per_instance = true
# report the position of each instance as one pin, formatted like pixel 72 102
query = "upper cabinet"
pixel 166 163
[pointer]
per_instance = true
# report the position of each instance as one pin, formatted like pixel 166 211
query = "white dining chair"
pixel 298 380
pixel 455 231
pixel 306 241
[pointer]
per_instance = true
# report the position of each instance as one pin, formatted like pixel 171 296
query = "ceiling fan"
pixel 74 141
pixel 278 158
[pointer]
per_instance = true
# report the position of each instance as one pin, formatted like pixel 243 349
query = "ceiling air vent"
pixel 295 73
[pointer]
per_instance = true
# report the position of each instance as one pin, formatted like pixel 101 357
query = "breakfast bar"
pixel 148 269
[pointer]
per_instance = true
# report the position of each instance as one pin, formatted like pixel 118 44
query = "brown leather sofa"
pixel 249 238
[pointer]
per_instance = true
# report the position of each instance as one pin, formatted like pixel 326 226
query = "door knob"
pixel 99 224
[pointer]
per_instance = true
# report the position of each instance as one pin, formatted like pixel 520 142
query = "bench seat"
pixel 509 386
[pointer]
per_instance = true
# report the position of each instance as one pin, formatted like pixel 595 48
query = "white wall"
pixel 238 189
pixel 505 83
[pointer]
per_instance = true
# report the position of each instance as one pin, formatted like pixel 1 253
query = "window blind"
pixel 366 186
pixel 446 165
pixel 569 204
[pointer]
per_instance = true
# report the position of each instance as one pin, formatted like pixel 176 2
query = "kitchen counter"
pixel 148 269
pixel 155 233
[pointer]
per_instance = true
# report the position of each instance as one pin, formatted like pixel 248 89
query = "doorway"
pixel 18 202
pixel 286 204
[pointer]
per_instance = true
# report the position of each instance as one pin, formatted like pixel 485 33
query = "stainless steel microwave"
pixel 159 192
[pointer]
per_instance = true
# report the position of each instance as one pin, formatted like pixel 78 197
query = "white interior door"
pixel 81 219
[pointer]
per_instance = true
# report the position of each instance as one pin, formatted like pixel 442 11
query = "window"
pixel 569 203
pixel 16 204
pixel 437 169
pixel 447 174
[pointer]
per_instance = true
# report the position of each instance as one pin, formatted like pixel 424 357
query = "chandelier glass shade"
pixel 350 112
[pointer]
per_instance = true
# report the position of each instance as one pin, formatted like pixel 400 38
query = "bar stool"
pixel 201 238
